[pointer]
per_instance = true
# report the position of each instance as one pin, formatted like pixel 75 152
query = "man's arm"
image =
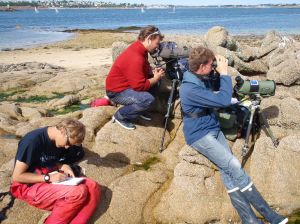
pixel 21 175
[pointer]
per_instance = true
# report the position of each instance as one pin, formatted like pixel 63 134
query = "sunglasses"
pixel 154 33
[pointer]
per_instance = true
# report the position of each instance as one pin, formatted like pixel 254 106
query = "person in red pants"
pixel 38 154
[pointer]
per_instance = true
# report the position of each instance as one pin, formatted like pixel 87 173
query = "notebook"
pixel 70 181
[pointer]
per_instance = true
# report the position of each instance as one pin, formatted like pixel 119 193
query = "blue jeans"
pixel 214 147
pixel 135 103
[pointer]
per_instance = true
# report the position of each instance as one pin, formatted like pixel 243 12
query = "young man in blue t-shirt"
pixel 202 132
pixel 39 153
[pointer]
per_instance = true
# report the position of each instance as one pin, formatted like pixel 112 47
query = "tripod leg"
pixel 264 123
pixel 249 128
pixel 171 101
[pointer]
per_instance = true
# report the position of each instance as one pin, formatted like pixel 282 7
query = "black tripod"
pixel 256 115
pixel 176 81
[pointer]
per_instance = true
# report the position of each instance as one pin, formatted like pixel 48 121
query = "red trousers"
pixel 69 204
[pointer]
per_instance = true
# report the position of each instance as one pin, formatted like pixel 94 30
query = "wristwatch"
pixel 47 178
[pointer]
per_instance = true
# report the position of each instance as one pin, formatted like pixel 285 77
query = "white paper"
pixel 70 181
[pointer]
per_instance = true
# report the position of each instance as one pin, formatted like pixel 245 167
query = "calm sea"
pixel 26 27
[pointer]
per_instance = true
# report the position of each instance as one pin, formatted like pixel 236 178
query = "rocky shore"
pixel 40 86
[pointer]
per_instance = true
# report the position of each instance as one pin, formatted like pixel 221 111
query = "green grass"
pixel 146 164
pixel 5 95
pixel 69 109
pixel 38 99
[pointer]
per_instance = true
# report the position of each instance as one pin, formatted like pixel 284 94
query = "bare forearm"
pixel 153 81
pixel 28 178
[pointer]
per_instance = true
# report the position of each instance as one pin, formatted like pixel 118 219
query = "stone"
pixel 7 124
pixel 71 82
pixel 282 113
pixel 117 48
pixel 8 149
pixel 24 75
pixel 136 144
pixel 285 66
pixel 31 113
pixel 67 100
pixel 95 118
pixel 11 109
pixel 218 36
pixel 275 172
pixel 131 193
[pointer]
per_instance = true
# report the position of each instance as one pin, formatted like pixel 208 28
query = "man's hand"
pixel 67 170
pixel 222 63
pixel 57 177
pixel 158 73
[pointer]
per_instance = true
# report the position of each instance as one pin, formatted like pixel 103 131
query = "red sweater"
pixel 130 70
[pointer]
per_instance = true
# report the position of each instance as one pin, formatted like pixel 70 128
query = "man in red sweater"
pixel 131 78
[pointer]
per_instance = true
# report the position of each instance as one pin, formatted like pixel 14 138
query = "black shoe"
pixel 124 124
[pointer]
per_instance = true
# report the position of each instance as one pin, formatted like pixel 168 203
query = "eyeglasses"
pixel 68 143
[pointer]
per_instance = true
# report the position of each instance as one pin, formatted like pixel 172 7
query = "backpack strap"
pixel 203 113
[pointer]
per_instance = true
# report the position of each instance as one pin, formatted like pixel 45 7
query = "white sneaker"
pixel 284 221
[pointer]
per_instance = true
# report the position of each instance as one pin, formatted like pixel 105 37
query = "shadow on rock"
pixel 106 196
pixel 113 160
pixel 8 199
pixel 271 112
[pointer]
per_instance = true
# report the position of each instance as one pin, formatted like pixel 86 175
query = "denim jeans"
pixel 135 103
pixel 214 147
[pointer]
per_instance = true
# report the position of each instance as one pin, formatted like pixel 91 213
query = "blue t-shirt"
pixel 37 150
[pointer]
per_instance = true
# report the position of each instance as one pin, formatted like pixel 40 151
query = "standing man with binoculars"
pixel 202 132
pixel 131 79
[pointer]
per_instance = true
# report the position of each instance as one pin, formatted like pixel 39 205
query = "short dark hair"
pixel 198 56
pixel 148 32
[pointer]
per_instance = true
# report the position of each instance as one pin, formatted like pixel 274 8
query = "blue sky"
pixel 208 2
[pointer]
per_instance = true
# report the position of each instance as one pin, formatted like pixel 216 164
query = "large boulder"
pixel 94 119
pixel 7 124
pixel 11 109
pixel 70 82
pixel 32 113
pixel 285 66
pixel 67 100
pixel 117 48
pixel 219 36
pixel 8 149
pixel 275 171
pixel 283 113
pixel 13 76
pixel 131 194
pixel 196 193
pixel 136 144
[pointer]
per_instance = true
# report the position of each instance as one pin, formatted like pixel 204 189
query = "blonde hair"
pixel 198 56
pixel 75 129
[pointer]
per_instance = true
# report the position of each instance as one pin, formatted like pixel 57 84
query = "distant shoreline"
pixel 16 8
pixel 127 30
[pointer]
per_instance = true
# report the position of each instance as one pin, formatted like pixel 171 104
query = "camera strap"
pixel 203 113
